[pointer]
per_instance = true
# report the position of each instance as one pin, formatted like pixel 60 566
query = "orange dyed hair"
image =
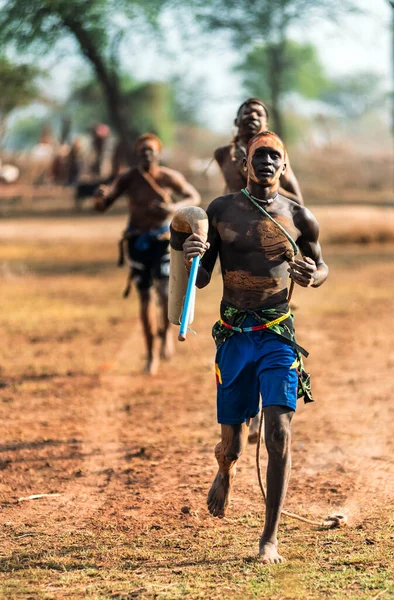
pixel 266 138
pixel 148 137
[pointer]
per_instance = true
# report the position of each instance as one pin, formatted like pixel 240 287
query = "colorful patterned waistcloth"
pixel 278 320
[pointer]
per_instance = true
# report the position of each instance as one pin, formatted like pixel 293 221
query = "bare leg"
pixel 277 427
pixel 227 452
pixel 167 343
pixel 148 318
pixel 254 429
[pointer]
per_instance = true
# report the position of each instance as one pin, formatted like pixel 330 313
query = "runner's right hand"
pixel 194 246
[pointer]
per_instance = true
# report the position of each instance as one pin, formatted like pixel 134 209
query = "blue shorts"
pixel 250 364
pixel 149 256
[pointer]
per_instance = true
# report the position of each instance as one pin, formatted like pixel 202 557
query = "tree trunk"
pixel 3 128
pixel 275 79
pixel 391 2
pixel 108 79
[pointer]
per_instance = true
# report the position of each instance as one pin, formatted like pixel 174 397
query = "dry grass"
pixel 339 225
pixel 336 175
pixel 346 225
pixel 332 175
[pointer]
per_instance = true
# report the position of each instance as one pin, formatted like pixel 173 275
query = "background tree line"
pixel 272 65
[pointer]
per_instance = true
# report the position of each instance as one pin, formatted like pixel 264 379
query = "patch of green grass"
pixel 330 564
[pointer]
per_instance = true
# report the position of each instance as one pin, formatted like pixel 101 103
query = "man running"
pixel 149 188
pixel 256 233
pixel 252 118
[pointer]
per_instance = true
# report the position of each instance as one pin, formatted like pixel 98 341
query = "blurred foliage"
pixel 272 70
pixel 301 69
pixel 150 107
pixel 151 110
pixel 18 85
pixel 267 20
pixel 86 105
pixel 24 133
pixel 188 95
pixel 356 95
pixel 98 27
pixel 268 24
pixel 297 127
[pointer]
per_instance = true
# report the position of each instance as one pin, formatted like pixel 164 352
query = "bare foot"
pixel 152 366
pixel 254 430
pixel 269 554
pixel 219 494
pixel 167 346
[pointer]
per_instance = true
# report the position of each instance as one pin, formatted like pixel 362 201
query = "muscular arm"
pixel 219 155
pixel 312 270
pixel 289 186
pixel 184 189
pixel 105 197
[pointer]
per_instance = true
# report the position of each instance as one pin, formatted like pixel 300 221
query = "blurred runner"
pixel 149 188
pixel 252 118
pixel 100 135
pixel 74 162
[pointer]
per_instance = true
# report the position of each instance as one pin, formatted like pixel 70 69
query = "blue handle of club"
pixel 189 298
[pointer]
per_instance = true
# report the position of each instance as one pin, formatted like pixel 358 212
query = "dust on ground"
pixel 132 457
pixel 339 225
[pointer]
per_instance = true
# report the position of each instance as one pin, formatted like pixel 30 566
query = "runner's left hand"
pixel 303 271
pixel 99 195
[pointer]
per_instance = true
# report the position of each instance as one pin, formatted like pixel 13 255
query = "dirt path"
pixel 132 458
pixel 364 224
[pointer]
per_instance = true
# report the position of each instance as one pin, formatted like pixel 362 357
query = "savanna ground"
pixel 132 458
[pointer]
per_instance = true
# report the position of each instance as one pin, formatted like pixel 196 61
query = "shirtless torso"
pixel 254 253
pixel 150 195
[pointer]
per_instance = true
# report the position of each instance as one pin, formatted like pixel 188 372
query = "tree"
pixel 391 3
pixel 188 95
pixel 355 95
pixel 151 102
pixel 86 104
pixel 300 71
pixel 268 22
pixel 153 110
pixel 24 133
pixel 96 26
pixel 18 84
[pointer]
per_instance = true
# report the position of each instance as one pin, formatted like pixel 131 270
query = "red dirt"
pixel 136 454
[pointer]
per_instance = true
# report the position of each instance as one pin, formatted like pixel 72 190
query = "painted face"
pixel 148 153
pixel 266 160
pixel 252 119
